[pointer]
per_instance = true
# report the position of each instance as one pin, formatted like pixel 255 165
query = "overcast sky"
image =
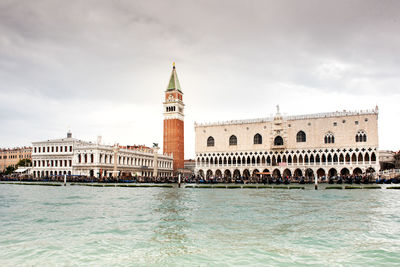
pixel 101 67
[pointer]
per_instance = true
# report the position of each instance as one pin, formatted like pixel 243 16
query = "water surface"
pixel 75 225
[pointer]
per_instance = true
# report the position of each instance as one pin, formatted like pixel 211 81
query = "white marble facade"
pixel 70 156
pixel 99 160
pixel 325 144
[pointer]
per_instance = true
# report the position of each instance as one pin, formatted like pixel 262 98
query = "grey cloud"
pixel 230 54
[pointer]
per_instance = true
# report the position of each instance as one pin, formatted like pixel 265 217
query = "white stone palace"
pixel 99 160
pixel 70 156
pixel 324 144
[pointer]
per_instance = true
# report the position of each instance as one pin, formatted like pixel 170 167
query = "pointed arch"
pixel 257 140
pixel 341 158
pixel 301 161
pixel 287 173
pixel 210 141
pixel 366 157
pixel 335 158
pixel 273 160
pixel 347 159
pixel 360 158
pixel 233 140
pixel 373 157
pixel 256 173
pixel 301 137
pixel 278 141
pixel 329 138
pixel 298 173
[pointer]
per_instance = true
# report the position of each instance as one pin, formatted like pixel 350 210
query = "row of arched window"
pixel 361 136
pixel 123 160
pixel 170 108
pixel 278 141
pixel 299 159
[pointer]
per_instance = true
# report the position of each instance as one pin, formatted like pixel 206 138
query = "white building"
pixel 70 156
pixel 102 161
pixel 53 157
pixel 324 144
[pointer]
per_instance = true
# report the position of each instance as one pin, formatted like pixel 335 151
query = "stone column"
pixel 155 161
pixel 115 157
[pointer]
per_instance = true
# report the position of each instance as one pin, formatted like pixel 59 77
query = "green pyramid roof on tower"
pixel 173 81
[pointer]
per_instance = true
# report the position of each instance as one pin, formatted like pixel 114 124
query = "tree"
pixel 24 163
pixel 10 169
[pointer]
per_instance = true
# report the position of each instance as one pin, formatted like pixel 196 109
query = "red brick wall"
pixel 174 141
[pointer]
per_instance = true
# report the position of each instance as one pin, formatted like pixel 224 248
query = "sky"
pixel 101 67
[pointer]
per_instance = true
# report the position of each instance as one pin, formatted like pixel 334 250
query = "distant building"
pixel 11 156
pixel 190 164
pixel 70 156
pixel 325 144
pixel 386 159
pixel 103 160
pixel 54 157
pixel 173 142
pixel 397 160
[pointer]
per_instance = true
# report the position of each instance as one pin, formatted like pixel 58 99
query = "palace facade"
pixel 70 156
pixel 322 145
pixel 99 160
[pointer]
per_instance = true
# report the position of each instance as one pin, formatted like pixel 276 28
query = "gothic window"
pixel 278 141
pixel 210 141
pixel 329 138
pixel 232 140
pixel 257 139
pixel 301 137
pixel 361 136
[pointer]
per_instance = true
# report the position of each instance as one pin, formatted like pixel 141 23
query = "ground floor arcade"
pixel 285 172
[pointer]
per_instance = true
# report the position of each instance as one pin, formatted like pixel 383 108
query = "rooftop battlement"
pixel 294 117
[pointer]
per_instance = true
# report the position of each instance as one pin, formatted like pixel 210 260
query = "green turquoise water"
pixel 75 226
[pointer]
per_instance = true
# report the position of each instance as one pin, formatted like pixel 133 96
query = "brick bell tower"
pixel 173 121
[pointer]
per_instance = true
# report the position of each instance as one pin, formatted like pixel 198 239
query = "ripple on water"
pixel 170 226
